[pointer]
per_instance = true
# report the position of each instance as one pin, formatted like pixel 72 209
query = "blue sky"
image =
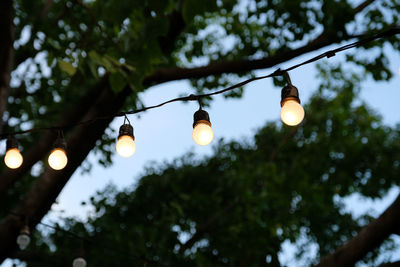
pixel 165 133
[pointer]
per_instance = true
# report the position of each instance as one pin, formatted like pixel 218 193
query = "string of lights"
pixel 23 241
pixel 292 113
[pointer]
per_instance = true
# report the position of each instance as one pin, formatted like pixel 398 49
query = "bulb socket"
pixel 126 129
pixel 289 92
pixel 11 143
pixel 60 143
pixel 25 230
pixel 201 116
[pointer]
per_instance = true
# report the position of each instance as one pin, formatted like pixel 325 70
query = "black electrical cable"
pixel 328 54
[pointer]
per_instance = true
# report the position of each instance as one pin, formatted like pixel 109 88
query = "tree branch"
pixel 167 42
pixel 367 239
pixel 362 6
pixel 233 66
pixel 6 53
pixel 244 65
pixel 391 264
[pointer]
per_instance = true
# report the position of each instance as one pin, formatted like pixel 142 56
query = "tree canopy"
pixel 62 62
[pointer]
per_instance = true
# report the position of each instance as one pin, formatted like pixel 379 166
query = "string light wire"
pixel 328 54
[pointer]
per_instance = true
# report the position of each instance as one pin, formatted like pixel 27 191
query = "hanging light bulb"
pixel 292 113
pixel 23 238
pixel 13 158
pixel 202 131
pixel 58 157
pixel 79 262
pixel 126 146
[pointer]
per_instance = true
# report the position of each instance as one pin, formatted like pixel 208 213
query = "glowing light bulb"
pixel 202 131
pixel 23 238
pixel 13 158
pixel 126 146
pixel 58 159
pixel 202 134
pixel 292 113
pixel 79 262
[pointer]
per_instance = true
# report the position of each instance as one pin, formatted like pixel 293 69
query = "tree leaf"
pixel 117 82
pixel 67 67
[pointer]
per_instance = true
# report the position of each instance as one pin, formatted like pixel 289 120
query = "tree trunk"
pixel 6 53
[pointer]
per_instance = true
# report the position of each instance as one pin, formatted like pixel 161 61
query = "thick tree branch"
pixel 235 66
pixel 391 264
pixel 167 42
pixel 43 193
pixel 362 6
pixel 369 238
pixel 44 144
pixel 397 232
pixel 244 65
pixel 6 53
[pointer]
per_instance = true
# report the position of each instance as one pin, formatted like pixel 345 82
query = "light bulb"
pixel 58 159
pixel 13 158
pixel 126 146
pixel 79 262
pixel 202 131
pixel 23 241
pixel 202 134
pixel 292 113
pixel 23 238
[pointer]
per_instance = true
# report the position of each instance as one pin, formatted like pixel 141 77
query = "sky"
pixel 164 134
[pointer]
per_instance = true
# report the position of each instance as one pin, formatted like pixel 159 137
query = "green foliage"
pixel 67 67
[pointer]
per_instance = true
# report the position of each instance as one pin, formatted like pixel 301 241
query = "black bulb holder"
pixel 11 143
pixel 25 230
pixel 60 144
pixel 201 116
pixel 126 129
pixel 289 92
